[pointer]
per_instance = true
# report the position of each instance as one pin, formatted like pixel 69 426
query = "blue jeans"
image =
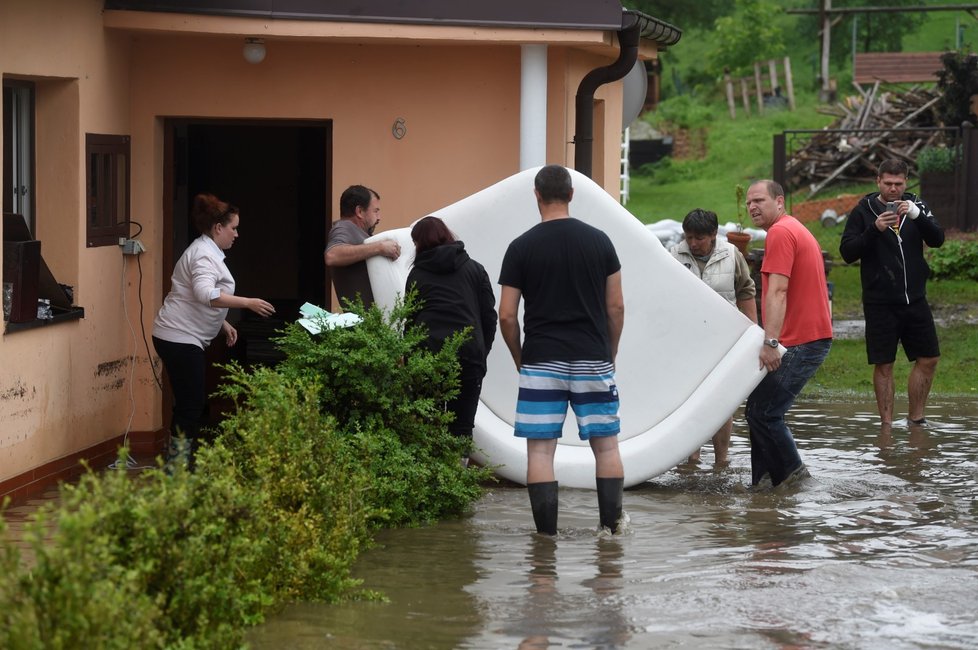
pixel 772 449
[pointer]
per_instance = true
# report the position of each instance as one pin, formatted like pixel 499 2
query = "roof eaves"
pixel 655 30
pixel 601 15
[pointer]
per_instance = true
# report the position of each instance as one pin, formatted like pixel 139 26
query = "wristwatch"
pixel 771 342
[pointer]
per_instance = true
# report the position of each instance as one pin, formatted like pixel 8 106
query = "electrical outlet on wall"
pixel 132 247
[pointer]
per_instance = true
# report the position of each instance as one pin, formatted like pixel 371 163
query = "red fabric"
pixel 791 250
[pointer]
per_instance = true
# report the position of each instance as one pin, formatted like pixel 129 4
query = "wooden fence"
pixel 759 87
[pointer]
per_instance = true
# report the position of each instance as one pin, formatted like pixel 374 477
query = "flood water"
pixel 878 550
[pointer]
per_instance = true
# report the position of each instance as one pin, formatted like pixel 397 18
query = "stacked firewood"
pixel 871 127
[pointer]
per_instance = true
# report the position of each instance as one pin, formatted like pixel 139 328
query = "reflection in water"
pixel 541 592
pixel 428 605
pixel 878 550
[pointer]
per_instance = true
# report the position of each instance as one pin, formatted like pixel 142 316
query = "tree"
pixel 749 34
pixel 875 32
pixel 958 82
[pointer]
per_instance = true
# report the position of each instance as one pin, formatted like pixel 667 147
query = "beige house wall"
pixel 63 388
pixel 69 386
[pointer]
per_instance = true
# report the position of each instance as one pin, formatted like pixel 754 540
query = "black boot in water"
pixel 609 501
pixel 543 502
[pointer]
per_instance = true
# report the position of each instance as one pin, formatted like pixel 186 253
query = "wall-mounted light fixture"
pixel 254 50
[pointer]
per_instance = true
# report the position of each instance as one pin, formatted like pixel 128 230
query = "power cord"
pixel 130 462
pixel 142 323
pixel 142 326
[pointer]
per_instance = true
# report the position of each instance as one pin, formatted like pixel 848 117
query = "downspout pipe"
pixel 533 106
pixel 628 39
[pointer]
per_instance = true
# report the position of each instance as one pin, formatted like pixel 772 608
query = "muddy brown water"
pixel 878 550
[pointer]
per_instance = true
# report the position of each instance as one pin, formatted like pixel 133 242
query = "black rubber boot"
pixel 543 501
pixel 609 501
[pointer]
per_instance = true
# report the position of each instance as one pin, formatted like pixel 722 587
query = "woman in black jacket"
pixel 455 293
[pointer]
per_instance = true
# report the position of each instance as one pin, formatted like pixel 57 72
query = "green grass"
pixel 938 32
pixel 846 371
pixel 738 151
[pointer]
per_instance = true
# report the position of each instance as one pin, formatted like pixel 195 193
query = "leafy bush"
pixel 314 490
pixel 191 560
pixel 938 159
pixel 669 170
pixel 143 561
pixel 387 396
pixel 682 111
pixel 956 259
pixel 75 596
pixel 350 432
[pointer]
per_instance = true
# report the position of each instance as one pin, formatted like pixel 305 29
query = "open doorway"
pixel 277 173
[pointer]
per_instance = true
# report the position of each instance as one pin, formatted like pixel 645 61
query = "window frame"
pixel 19 156
pixel 107 181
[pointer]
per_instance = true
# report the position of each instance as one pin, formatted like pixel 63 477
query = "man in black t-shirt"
pixel 569 276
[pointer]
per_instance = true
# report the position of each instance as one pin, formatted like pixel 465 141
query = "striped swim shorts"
pixel 546 388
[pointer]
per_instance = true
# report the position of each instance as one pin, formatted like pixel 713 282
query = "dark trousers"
pixel 772 447
pixel 186 367
pixel 466 402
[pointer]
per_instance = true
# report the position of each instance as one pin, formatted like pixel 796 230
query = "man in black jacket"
pixel 887 231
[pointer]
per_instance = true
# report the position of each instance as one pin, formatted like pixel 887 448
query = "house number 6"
pixel 399 130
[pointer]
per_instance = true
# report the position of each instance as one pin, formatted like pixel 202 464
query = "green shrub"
pixel 682 111
pixel 74 596
pixel 937 159
pixel 315 489
pixel 349 433
pixel 142 561
pixel 387 396
pixel 670 170
pixel 190 560
pixel 956 259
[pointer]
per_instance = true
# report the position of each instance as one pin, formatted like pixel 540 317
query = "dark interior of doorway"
pixel 277 174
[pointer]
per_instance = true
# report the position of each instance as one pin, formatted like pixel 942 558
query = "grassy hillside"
pixel 736 152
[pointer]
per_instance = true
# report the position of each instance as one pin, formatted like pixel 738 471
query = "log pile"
pixel 871 127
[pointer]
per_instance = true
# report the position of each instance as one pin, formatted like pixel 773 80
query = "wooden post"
pixel 968 199
pixel 655 82
pixel 780 155
pixel 758 88
pixel 772 71
pixel 730 96
pixel 826 16
pixel 745 95
pixel 788 84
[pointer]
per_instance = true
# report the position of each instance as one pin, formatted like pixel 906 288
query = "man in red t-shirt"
pixel 795 314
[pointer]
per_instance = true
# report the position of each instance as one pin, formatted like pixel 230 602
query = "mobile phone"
pixel 891 206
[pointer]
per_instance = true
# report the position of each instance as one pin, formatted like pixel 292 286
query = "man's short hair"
pixel 553 182
pixel 893 166
pixel 774 189
pixel 701 222
pixel 356 196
